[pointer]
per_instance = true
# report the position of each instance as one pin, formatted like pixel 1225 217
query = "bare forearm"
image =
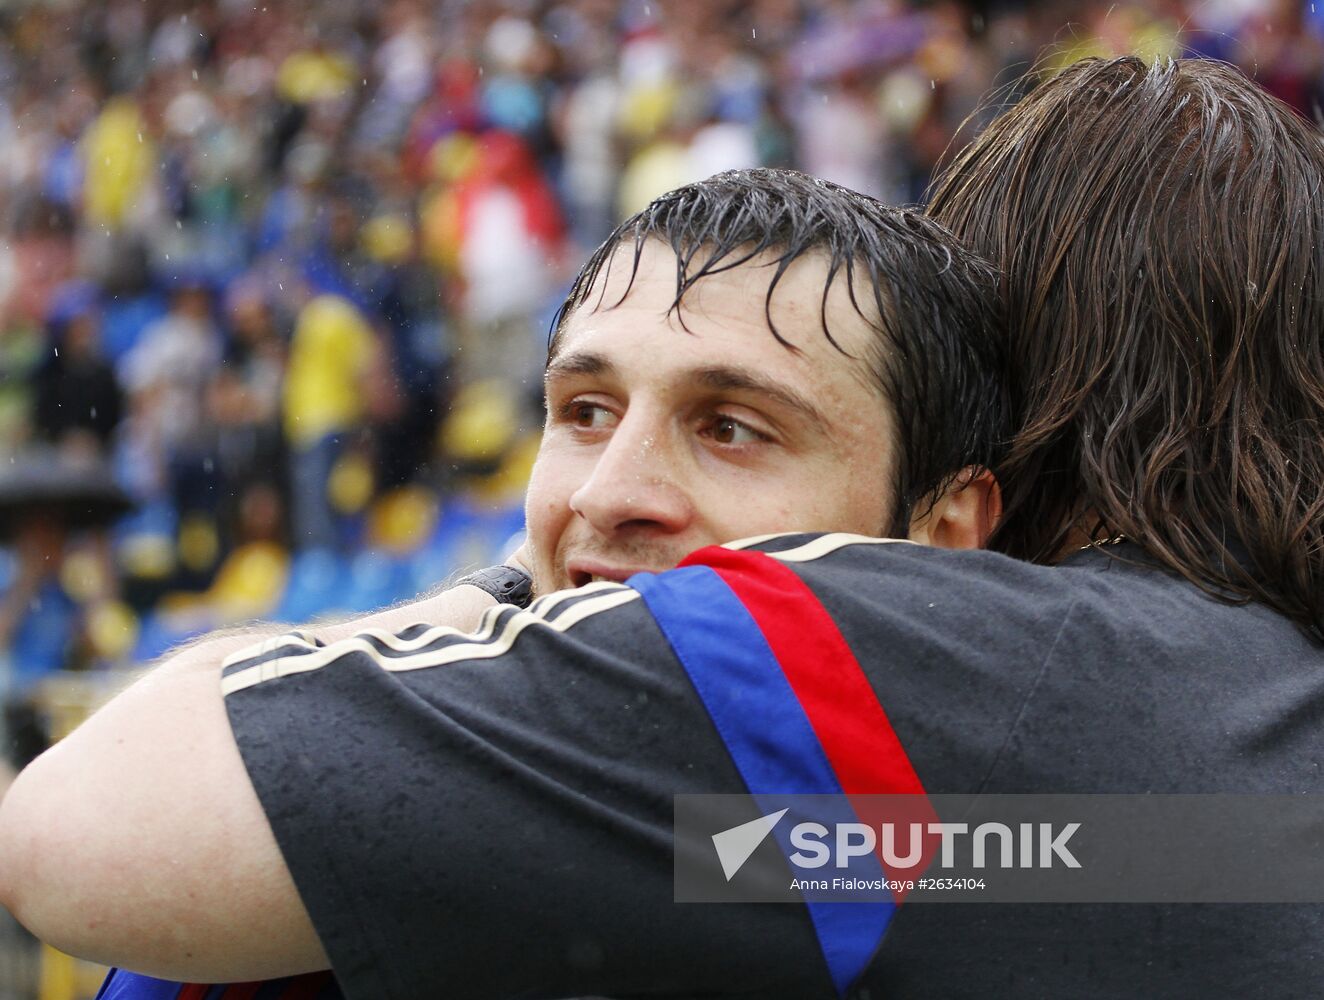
pixel 118 804
pixel 70 823
pixel 457 607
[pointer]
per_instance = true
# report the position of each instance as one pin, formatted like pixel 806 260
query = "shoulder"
pixel 941 650
pixel 894 584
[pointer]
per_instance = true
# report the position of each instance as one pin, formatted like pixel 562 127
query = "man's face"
pixel 661 441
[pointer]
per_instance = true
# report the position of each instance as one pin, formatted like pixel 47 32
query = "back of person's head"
pixel 940 348
pixel 1160 232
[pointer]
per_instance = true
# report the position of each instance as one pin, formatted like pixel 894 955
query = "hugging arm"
pixel 139 841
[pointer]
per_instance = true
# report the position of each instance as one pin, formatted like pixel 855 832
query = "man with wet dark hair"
pixel 873 341
pixel 757 353
pixel 937 348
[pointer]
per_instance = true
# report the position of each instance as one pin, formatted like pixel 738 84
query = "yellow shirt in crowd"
pixel 330 353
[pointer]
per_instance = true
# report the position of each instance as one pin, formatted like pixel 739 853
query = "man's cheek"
pixel 545 519
pixel 540 555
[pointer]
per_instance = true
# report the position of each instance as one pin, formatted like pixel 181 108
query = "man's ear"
pixel 965 515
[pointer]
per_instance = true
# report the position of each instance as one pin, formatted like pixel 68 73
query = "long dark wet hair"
pixel 1160 232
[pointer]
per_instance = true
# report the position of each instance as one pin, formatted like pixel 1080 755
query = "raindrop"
pixel 753 32
pixel 57 352
pixel 932 85
pixel 195 74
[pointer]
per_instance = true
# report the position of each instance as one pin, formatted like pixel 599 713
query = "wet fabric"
pixel 491 815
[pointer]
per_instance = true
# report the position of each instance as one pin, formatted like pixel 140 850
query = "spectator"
pixel 167 374
pixel 78 402
pixel 503 234
pixel 335 363
pixel 244 398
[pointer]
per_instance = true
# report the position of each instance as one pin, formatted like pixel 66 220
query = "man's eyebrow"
pixel 721 378
pixel 577 363
pixel 734 379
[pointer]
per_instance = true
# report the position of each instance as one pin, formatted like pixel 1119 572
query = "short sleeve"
pixel 491 815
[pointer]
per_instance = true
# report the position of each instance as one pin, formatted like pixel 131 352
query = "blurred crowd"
pixel 276 277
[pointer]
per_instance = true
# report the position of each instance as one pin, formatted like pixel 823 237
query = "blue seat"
pixel 124 319
pixel 466 538
pixel 317 582
pixel 41 642
pixel 376 579
pixel 157 635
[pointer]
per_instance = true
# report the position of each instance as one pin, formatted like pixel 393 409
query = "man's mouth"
pixel 582 574
pixel 584 579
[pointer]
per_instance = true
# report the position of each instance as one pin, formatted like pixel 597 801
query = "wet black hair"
pixel 1160 230
pixel 940 351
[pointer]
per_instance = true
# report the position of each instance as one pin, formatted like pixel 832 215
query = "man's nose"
pixel 637 484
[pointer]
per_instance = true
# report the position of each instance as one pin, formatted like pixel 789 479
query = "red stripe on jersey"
pixel 834 692
pixel 854 731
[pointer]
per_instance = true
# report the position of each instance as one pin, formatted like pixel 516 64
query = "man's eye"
pixel 726 430
pixel 589 415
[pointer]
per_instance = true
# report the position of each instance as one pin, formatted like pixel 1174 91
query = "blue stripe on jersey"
pixel 121 985
pixel 767 734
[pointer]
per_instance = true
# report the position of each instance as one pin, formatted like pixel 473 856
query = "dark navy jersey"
pixel 490 815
